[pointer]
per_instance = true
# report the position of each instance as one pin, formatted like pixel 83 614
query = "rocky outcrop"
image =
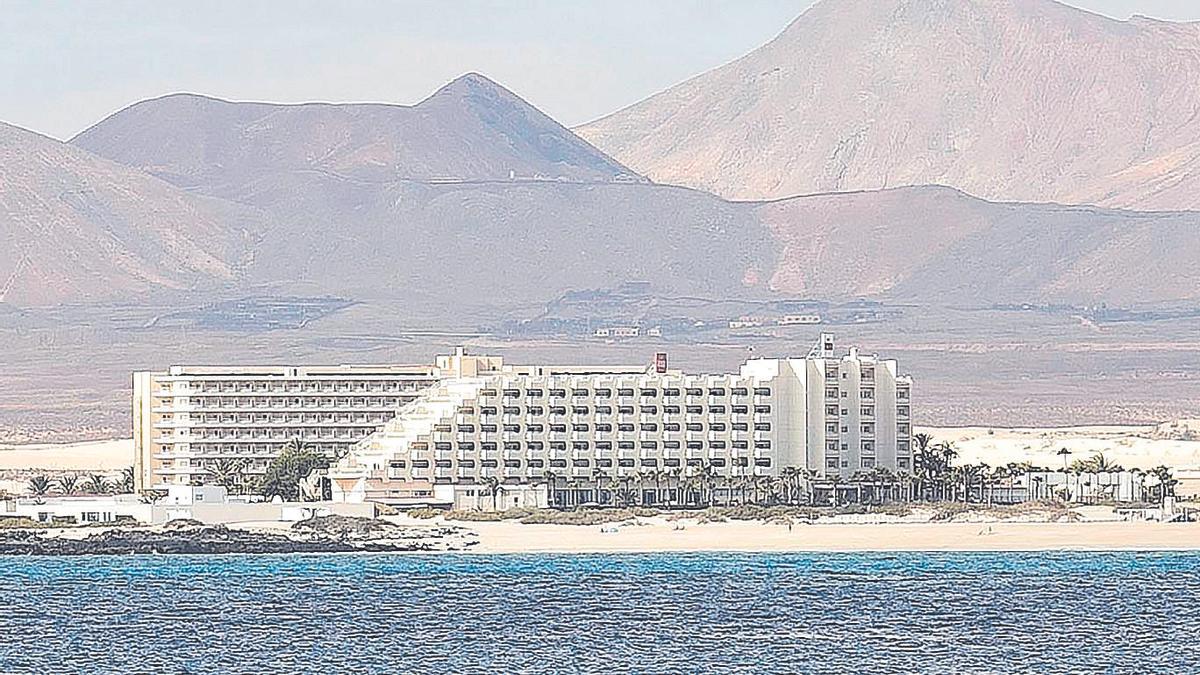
pixel 329 534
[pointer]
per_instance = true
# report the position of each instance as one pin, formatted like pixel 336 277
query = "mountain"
pixel 471 129
pixel 1009 100
pixel 78 228
pixel 936 245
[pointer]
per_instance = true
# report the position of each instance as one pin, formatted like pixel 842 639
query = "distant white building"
pixel 799 320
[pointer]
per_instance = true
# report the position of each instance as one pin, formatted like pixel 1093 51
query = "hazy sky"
pixel 65 65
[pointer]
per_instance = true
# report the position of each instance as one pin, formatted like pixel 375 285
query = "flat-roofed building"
pixel 831 414
pixel 187 418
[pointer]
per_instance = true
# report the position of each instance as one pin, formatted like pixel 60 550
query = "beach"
pixel 660 535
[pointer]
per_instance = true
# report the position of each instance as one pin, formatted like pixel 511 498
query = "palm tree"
pixel 97 485
pixel 67 484
pixel 599 475
pixel 227 472
pixel 491 486
pixel 551 478
pixel 127 481
pixel 39 486
pixel 1097 463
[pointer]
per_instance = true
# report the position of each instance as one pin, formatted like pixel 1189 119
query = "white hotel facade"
pixel 829 413
pixel 186 419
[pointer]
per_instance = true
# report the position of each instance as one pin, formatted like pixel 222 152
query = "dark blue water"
pixel 753 613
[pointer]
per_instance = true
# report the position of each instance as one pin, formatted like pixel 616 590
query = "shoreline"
pixel 755 537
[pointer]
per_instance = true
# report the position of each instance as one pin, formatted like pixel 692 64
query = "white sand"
pixel 1132 447
pixel 110 455
pixel 512 537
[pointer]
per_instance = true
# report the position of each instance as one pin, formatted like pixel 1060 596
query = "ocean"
pixel 646 613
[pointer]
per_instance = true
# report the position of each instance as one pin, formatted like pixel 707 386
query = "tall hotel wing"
pixel 522 424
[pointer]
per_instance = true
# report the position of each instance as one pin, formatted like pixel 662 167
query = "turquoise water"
pixel 754 613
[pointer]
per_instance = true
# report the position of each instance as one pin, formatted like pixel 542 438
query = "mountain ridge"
pixel 1005 100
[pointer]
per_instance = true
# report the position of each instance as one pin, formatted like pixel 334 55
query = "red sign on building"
pixel 660 362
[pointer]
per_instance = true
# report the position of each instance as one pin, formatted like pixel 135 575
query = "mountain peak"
pixel 1025 100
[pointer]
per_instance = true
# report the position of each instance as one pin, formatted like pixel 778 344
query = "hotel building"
pixel 828 413
pixel 187 418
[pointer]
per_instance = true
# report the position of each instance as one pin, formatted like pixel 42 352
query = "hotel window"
pixel 604 445
pixel 579 427
pixel 650 426
pixel 866 393
pixel 831 428
pixel 670 392
pixel 831 410
pixel 487 392
pixel 902 428
pixel 558 428
pixel 580 410
pixel 625 410
pixel 558 393
pixel 649 462
pixel 649 393
pixel 420 445
pixel 762 426
pixel 512 393
pixel 831 463
pixel 649 445
pixel 580 463
pixel 558 410
pixel 441 446
pixel 695 391
pixel 740 410
pixel 867 428
pixel 716 391
pixel 466 463
pixel 628 462
pixel 512 446
pixel 558 463
pixel 420 464
pixel 649 410
pixel 867 411
pixel 762 445
pixel 604 463
pixel 695 426
pixel 580 445
pixel 695 445
pixel 443 464
pixel 716 426
pixel 741 445
pixel 868 462
pixel 559 446
pixel 536 410
pixel 535 445
pixel 512 428
pixel 695 410
pixel 488 447
pixel 442 428
pixel 762 391
pixel 579 392
pixel 718 445
pixel 902 394
pixel 624 392
pixel 512 410
pixel 741 426
pixel 487 410
pixel 716 410
pixel 761 409
pixel 739 391
pixel 537 463
pixel 671 426
pixel 671 445
pixel 603 393
pixel 604 428
pixel 624 427
pixel 671 409
pixel 466 445
pixel 397 464
pixel 625 445
pixel 762 461
pixel 868 446
pixel 718 461
pixel 490 464
pixel 603 410
pixel 535 393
